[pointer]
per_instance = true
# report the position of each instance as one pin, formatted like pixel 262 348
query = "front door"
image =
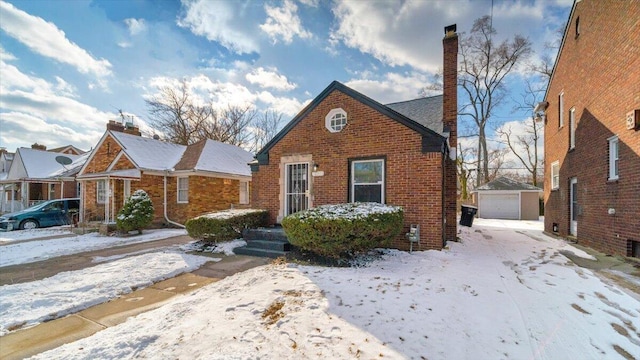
pixel 573 198
pixel 296 197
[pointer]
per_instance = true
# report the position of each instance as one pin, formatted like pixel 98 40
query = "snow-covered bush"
pixel 136 214
pixel 225 225
pixel 344 229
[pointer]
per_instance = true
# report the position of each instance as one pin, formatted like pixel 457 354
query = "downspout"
pixel 165 203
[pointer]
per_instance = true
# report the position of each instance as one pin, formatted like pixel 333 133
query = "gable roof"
pixel 156 155
pixel 37 164
pixel 425 111
pixel 68 147
pixel 396 115
pixel 505 183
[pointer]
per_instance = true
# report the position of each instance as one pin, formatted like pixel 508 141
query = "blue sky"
pixel 67 67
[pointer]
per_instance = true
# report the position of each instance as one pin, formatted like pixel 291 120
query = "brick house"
pixel 592 129
pixel 36 175
pixel 345 147
pixel 182 181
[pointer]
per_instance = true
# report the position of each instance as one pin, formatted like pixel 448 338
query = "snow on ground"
pixel 22 235
pixel 32 251
pixel 499 293
pixel 27 304
pixel 225 247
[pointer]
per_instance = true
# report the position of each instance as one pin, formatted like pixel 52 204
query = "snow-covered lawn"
pixel 38 250
pixel 500 293
pixel 27 304
pixel 21 235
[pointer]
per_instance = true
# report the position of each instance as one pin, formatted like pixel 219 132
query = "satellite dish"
pixel 63 160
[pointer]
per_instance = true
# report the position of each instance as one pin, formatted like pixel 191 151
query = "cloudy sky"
pixel 67 67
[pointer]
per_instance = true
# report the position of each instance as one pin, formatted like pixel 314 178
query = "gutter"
pixel 166 217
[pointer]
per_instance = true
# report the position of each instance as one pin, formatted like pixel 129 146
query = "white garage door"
pixel 499 206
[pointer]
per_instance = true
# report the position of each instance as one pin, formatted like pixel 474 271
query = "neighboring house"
pixel 592 129
pixel 345 147
pixel 69 149
pixel 182 181
pixel 5 189
pixel 36 176
pixel 504 198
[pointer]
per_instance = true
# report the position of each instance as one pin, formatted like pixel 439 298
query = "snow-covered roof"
pixel 207 155
pixel 73 168
pixel 149 154
pixel 224 158
pixel 505 183
pixel 39 164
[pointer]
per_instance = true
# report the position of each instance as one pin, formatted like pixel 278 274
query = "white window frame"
pixel 561 109
pixel 244 192
pixel 555 175
pixel 352 192
pixel 182 189
pixel 101 191
pixel 614 157
pixel 52 189
pixel 78 189
pixel 330 121
pixel 572 128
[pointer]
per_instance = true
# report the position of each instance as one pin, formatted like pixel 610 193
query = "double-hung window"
pixel 572 130
pixel 555 175
pixel 367 181
pixel 613 157
pixel 101 191
pixel 183 190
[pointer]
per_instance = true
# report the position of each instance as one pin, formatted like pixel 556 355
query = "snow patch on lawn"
pixel 21 235
pixel 28 304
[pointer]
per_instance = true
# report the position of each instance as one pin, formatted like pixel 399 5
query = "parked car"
pixel 48 213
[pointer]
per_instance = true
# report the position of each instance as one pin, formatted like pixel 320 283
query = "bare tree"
pixel 463 170
pixel 525 146
pixel 484 67
pixel 172 113
pixel 265 128
pixel 229 125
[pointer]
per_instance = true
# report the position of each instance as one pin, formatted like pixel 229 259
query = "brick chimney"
pixel 127 128
pixel 450 83
pixel 450 124
pixel 37 146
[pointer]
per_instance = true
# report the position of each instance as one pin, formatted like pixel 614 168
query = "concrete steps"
pixel 264 242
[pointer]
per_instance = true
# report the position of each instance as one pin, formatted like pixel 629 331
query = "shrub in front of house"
pixel 136 214
pixel 225 225
pixel 344 229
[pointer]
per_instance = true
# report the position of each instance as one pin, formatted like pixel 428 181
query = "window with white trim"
pixel 336 120
pixel 561 110
pixel 244 192
pixel 572 130
pixel 367 181
pixel 613 157
pixel 183 190
pixel 78 188
pixel 52 191
pixel 101 191
pixel 555 175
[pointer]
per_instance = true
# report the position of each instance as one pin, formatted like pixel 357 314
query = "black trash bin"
pixel 468 213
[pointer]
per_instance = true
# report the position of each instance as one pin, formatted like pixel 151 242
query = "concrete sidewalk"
pixel 49 335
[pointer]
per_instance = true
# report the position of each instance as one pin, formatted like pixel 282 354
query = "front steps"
pixel 264 242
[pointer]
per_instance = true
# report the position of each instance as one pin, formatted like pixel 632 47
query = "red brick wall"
pixel 450 117
pixel 599 72
pixel 413 179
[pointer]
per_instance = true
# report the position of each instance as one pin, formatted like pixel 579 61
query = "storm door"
pixel 296 197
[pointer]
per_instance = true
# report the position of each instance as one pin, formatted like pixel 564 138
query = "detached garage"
pixel 504 198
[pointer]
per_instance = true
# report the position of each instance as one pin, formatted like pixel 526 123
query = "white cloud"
pixel 136 26
pixel 269 79
pixel 392 87
pixel 6 56
pixel 47 40
pixel 287 106
pixel 218 21
pixel 284 23
pixel 312 3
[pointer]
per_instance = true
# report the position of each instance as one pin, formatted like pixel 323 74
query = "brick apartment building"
pixel 592 129
pixel 345 147
pixel 182 181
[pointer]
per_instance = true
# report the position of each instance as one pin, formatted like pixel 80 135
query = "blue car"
pixel 49 213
